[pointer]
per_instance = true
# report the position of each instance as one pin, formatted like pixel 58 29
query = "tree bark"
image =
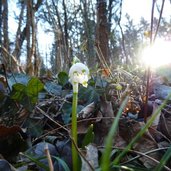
pixel 5 24
pixel 89 28
pixel 29 66
pixel 5 38
pixel 1 59
pixel 102 36
pixel 20 35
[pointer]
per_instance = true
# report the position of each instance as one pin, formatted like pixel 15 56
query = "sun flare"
pixel 158 54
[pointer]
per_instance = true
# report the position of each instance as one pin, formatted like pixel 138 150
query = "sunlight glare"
pixel 157 55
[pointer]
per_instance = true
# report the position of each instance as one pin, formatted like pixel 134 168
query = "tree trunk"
pixel 20 35
pixel 5 25
pixel 89 27
pixel 29 66
pixel 66 37
pixel 5 38
pixel 102 36
pixel 1 59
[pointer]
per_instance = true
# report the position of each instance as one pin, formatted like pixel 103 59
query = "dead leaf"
pixel 128 129
pixel 165 124
pixel 92 158
pixel 8 131
pixel 102 127
pixel 87 111
pixel 11 142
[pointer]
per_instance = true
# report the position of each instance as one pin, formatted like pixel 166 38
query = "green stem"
pixel 74 131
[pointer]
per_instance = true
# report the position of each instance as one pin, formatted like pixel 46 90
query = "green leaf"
pixel 34 86
pixel 63 78
pixel 89 137
pixel 36 161
pixel 67 110
pixel 63 163
pixel 17 78
pixel 88 95
pixel 53 88
pixel 18 91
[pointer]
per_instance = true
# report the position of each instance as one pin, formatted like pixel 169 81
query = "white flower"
pixel 78 74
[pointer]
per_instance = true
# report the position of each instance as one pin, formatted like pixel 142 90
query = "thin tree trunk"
pixel 5 39
pixel 102 36
pixel 33 46
pixel 20 36
pixel 62 38
pixel 1 59
pixel 66 37
pixel 89 29
pixel 5 25
pixel 29 66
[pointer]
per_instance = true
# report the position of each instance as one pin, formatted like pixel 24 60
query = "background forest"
pixel 108 111
pixel 90 30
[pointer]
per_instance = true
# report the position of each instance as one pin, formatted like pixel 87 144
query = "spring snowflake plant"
pixel 78 74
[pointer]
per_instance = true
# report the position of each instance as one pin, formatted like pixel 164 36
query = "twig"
pixel 91 167
pixel 51 168
pixel 69 135
pixel 145 155
pixel 40 110
pixel 5 74
pixel 158 24
pixel 122 33
pixel 152 19
pixel 148 69
pixel 19 68
pixel 142 154
pixel 102 59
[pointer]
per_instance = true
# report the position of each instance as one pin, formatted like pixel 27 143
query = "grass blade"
pixel 108 142
pixel 63 163
pixel 140 133
pixel 164 160
pixel 37 162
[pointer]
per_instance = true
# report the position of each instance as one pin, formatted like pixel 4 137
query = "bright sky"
pixel 138 8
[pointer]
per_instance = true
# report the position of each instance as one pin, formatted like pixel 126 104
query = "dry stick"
pixel 49 158
pixel 40 110
pixel 122 33
pixel 89 119
pixel 102 59
pixel 6 79
pixel 91 167
pixel 142 154
pixel 19 68
pixel 152 40
pixel 145 154
pixel 160 16
pixel 148 73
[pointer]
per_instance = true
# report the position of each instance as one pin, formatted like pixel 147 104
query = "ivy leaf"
pixel 67 111
pixel 88 95
pixel 18 91
pixel 34 86
pixel 63 78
